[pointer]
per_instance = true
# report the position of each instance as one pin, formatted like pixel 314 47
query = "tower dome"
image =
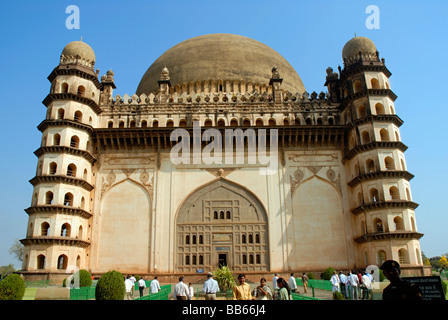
pixel 79 48
pixel 355 45
pixel 220 57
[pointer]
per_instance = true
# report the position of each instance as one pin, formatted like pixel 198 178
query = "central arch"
pixel 221 223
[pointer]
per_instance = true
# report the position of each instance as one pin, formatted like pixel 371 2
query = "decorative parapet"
pixel 381 205
pixel 59 209
pixel 394 235
pixel 380 175
pixel 61 179
pixel 61 241
pixel 77 60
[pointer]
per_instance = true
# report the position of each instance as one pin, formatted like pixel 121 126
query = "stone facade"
pixel 107 194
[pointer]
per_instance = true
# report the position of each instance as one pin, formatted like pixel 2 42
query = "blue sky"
pixel 127 36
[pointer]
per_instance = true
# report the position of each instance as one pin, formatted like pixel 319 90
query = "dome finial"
pixel 81 38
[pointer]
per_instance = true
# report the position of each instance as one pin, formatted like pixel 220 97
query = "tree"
pixel 6 270
pixel 443 263
pixel 224 277
pixel 17 250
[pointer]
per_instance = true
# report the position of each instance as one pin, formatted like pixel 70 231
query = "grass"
pixel 30 293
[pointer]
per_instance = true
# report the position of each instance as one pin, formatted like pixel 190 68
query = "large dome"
pixel 220 57
pixel 353 46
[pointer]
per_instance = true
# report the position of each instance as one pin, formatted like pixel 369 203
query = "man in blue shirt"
pixel 211 287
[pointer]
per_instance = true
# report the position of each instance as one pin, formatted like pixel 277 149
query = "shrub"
pixel 85 278
pixel 338 296
pixel 110 286
pixel 310 275
pixel 328 273
pixel 12 287
pixel 224 277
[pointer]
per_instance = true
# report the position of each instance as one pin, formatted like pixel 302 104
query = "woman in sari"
pixel 263 292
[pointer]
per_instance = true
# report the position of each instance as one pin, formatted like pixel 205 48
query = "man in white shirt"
pixel 335 282
pixel 343 284
pixel 155 285
pixel 180 290
pixel 353 279
pixel 133 285
pixel 141 286
pixel 210 287
pixel 292 283
pixel 128 286
pixel 366 286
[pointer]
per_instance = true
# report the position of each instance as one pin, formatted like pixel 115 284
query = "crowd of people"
pixel 355 285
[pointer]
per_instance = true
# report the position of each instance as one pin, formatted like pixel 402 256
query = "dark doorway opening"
pixel 222 259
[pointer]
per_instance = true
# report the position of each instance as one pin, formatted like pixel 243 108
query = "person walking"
pixel 210 287
pixel 292 283
pixel 242 290
pixel 180 290
pixel 128 287
pixel 141 286
pixel 154 287
pixel 284 293
pixel 263 292
pixel 190 291
pixel 305 282
pixel 366 286
pixel 132 278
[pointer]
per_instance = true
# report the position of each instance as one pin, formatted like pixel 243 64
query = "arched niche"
pixel 124 229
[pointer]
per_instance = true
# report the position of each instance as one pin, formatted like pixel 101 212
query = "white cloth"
pixel 353 278
pixel 190 292
pixel 292 283
pixel 128 285
pixel 274 283
pixel 366 281
pixel 335 280
pixel 154 286
pixel 142 283
pixel 132 279
pixel 180 290
pixel 343 278
pixel 210 286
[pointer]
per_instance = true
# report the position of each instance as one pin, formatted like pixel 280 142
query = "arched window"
pixel 71 170
pixel 246 122
pixel 234 122
pixel 68 199
pixel 399 225
pixel 330 121
pixel 384 135
pixel 61 114
pixel 251 238
pixel 243 238
pixel 62 262
pixel 110 124
pixel 361 111
pixel 221 214
pixel 78 116
pixel 381 257
pixel 155 124
pixel 251 259
pixel 228 215
pixel 44 229
pixel 259 122
pixel 358 86
pixel 370 165
pixel 403 256
pixel 52 168
pixel 65 230
pixel 194 239
pixel 378 225
pixel 308 121
pixel 187 239
pixel 365 136
pixel 201 259
pixel 41 262
pixel 64 88
pixel 144 124
pixel 187 260
pixel 49 197
pixel 132 125
pixel 215 215
pixel 121 124
pixel 258 258
pixel 80 232
pixel 201 239
pixel 257 238
pixel 244 259
pixel 394 193
pixel 319 121
pixel 183 123
pixel 375 84
pixel 389 163
pixel 374 195
pixel 78 261
pixel 83 203
pixel 379 108
pixel 81 91
pixel 74 142
pixel 286 122
pixel 57 139
pixel 85 174
pixel 170 124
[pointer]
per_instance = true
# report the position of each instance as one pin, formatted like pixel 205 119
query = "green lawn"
pixel 30 293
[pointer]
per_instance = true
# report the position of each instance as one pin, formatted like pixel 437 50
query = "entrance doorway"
pixel 222 259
